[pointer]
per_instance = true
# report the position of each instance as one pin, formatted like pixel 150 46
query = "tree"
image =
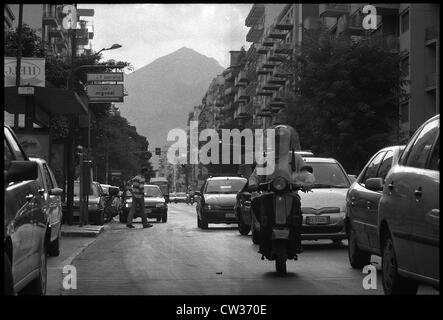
pixel 31 43
pixel 344 99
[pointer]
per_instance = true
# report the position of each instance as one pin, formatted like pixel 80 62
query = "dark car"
pixel 362 206
pixel 26 226
pixel 216 200
pixel 154 202
pixel 409 215
pixel 52 204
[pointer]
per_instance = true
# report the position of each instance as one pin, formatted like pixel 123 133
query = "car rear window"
pixel 153 191
pixel 329 175
pixel 228 186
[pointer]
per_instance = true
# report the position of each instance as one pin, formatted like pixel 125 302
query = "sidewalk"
pixel 74 241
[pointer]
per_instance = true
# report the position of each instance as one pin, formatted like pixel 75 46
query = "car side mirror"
pixel 56 192
pixel 22 171
pixel 374 184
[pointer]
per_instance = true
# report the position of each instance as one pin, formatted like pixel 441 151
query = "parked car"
pixel 26 226
pixel 216 200
pixel 409 214
pixel 181 197
pixel 362 206
pixel 172 196
pixel 96 205
pixel 155 204
pixel 323 209
pixel 52 205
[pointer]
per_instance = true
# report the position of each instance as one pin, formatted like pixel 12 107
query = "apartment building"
pixel 47 20
pixel 410 30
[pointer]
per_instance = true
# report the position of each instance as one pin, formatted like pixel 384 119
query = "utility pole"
pixel 19 56
pixel 70 170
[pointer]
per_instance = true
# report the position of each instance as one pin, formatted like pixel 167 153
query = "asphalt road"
pixel 177 258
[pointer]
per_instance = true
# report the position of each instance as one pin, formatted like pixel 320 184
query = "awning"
pixel 50 100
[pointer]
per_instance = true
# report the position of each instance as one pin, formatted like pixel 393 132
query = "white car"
pixel 324 208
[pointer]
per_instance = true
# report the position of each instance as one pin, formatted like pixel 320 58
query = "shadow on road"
pixel 274 274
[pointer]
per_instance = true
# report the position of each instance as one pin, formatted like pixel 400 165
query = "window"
pixel 419 152
pixel 386 164
pixel 18 153
pixel 404 112
pixel 230 186
pixel 371 171
pixel 404 21
pixel 8 155
pixel 404 66
pixel 329 175
pixel 434 162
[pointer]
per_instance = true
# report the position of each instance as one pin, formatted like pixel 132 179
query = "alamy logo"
pixel 370 280
pixel 69 277
pixel 370 20
pixel 254 147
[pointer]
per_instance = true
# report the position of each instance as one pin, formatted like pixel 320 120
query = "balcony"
pixel 283 48
pixel 257 122
pixel 262 49
pixel 241 113
pixel 255 15
pixel 255 33
pixel 56 33
pixel 219 103
pixel 49 19
pixel 431 35
pixel 278 34
pixel 85 12
pixel 333 10
pixel 275 57
pixel 277 80
pixel 284 24
pixel 260 91
pixel 271 86
pixel 431 81
pixel 282 72
pixel 230 91
pixel 241 80
pixel 229 75
pixel 242 94
pixel 268 42
pixel 269 64
pixel 250 89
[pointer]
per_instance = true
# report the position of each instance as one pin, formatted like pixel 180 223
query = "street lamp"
pixel 114 46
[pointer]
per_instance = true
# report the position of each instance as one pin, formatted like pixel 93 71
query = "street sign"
pixel 105 93
pixel 109 76
pixel 26 91
pixel 32 71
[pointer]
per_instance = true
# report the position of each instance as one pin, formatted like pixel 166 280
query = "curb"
pixel 83 232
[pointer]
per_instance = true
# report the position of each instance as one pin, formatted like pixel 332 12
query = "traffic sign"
pixel 105 92
pixel 109 76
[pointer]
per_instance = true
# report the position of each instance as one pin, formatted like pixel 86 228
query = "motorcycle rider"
pixel 295 170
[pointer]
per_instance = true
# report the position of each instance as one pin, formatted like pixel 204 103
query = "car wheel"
pixel 255 236
pixel 203 223
pixel 393 283
pixel 165 217
pixel 243 228
pixel 357 258
pixel 199 225
pixel 8 277
pixel 38 285
pixel 54 246
pixel 159 219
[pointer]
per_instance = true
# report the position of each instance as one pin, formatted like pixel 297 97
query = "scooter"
pixel 278 212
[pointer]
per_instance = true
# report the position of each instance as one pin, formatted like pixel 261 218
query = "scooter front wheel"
pixel 280 257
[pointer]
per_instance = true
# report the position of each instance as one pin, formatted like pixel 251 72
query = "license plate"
pixel 148 210
pixel 280 233
pixel 230 215
pixel 317 220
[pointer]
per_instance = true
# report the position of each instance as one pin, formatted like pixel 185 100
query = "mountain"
pixel 162 93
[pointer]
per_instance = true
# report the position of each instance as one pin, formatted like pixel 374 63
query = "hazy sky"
pixel 149 31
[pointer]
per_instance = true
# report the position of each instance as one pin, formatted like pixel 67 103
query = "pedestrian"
pixel 138 199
